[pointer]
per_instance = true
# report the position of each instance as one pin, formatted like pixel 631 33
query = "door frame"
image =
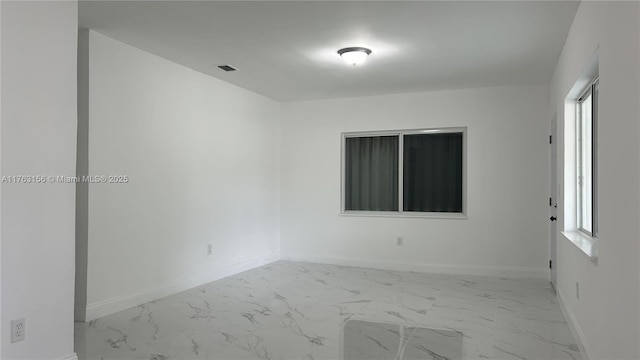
pixel 553 196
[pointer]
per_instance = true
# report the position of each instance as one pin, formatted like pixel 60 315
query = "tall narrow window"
pixel 587 120
pixel 417 171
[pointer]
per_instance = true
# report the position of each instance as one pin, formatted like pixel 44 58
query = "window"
pixel 587 164
pixel 410 172
pixel 579 220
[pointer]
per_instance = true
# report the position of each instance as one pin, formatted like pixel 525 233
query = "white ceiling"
pixel 286 50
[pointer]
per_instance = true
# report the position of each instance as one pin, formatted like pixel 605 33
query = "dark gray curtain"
pixel 433 172
pixel 371 173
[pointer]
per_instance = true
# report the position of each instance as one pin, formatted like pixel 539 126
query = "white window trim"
pixel 400 213
pixel 587 244
pixel 588 91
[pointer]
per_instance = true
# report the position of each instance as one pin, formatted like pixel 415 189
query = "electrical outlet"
pixel 400 241
pixel 209 249
pixel 578 290
pixel 17 330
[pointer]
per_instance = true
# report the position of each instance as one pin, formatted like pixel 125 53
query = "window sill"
pixel 454 216
pixel 584 242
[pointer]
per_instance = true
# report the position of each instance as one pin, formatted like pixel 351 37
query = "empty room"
pixel 319 180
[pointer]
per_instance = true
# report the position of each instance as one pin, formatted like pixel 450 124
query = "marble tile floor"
pixel 290 310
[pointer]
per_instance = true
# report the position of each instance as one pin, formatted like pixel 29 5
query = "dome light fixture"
pixel 354 55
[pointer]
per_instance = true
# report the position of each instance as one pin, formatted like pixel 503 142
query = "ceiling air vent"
pixel 227 67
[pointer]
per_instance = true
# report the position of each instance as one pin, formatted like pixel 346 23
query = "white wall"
pixel 607 315
pixel 202 157
pixel 38 138
pixel 506 229
pixel 1 319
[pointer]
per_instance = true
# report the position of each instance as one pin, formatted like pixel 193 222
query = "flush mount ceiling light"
pixel 354 55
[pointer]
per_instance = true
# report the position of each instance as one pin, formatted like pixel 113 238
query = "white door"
pixel 553 202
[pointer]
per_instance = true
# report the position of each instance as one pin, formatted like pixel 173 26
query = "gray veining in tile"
pixel 290 310
pixel 376 340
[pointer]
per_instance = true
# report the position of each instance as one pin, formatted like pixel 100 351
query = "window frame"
pixel 401 212
pixel 591 90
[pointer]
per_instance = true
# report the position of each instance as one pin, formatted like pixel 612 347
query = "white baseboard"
pixel 110 306
pixel 576 331
pixel 499 271
pixel 73 356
